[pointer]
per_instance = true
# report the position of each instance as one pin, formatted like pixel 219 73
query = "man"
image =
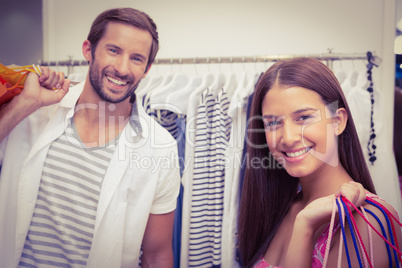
pixel 89 180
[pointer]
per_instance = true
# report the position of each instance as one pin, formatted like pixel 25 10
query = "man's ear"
pixel 340 120
pixel 86 50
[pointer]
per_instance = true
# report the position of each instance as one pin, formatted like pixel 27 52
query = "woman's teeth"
pixel 295 154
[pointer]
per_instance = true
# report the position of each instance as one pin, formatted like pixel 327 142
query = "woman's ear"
pixel 340 120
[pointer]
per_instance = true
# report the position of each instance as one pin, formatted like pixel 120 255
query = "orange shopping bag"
pixel 6 94
pixel 12 81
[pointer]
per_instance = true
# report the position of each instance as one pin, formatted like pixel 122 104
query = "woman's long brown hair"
pixel 268 190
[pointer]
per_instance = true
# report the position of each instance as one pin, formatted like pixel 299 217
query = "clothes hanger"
pixel 179 97
pixel 159 95
pixel 143 83
pixel 154 81
pixel 231 83
pixel 167 79
pixel 346 84
pixel 352 75
pixel 361 80
pixel 235 101
pixel 218 83
pixel 340 73
pixel 206 82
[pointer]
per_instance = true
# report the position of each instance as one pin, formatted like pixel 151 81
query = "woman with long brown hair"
pixel 301 126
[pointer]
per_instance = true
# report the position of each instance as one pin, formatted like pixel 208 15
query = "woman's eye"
pixel 113 50
pixel 304 117
pixel 271 125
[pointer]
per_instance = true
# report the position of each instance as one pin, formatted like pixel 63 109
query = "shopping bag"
pixel 12 80
pixel 6 94
pixel 14 76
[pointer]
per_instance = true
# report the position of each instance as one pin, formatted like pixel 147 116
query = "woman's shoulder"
pixel 375 201
pixel 376 215
pixel 378 208
pixel 380 217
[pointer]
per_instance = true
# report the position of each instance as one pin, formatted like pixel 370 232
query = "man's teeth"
pixel 116 81
pixel 295 154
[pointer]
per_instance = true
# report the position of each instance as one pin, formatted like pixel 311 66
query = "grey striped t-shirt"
pixel 62 226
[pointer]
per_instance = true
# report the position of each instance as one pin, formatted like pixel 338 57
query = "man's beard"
pixel 95 78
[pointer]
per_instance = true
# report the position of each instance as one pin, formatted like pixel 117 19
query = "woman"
pixel 301 124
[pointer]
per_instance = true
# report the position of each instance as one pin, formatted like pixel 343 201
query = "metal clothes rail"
pixel 329 58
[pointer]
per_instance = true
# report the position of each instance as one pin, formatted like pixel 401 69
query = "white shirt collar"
pixel 70 100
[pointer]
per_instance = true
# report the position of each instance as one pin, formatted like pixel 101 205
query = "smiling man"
pixel 68 194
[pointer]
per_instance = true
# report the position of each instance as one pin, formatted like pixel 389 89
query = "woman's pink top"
pixel 318 253
pixel 319 249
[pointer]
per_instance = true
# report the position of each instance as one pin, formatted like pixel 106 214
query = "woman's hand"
pixel 311 218
pixel 319 211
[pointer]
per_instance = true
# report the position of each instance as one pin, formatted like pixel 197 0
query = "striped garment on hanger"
pixel 212 136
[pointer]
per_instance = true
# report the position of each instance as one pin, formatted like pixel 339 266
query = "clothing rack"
pixel 328 57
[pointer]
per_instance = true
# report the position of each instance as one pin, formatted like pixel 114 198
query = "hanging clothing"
pixel 176 125
pixel 212 136
pixel 234 156
pixel 187 179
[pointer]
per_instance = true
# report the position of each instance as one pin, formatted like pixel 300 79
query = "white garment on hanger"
pixel 151 84
pixel 238 112
pixel 359 102
pixel 250 86
pixel 340 75
pixel 206 82
pixel 218 83
pixel 234 152
pixel 242 85
pixel 230 85
pixel 361 80
pixel 167 78
pixel 187 177
pixel 180 97
pixel 346 87
pixel 143 83
pixel 352 77
pixel 158 95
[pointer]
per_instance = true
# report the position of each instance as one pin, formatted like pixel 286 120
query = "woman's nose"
pixel 291 134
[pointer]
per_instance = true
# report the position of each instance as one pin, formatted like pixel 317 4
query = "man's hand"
pixel 45 90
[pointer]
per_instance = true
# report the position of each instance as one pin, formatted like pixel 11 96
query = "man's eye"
pixel 138 59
